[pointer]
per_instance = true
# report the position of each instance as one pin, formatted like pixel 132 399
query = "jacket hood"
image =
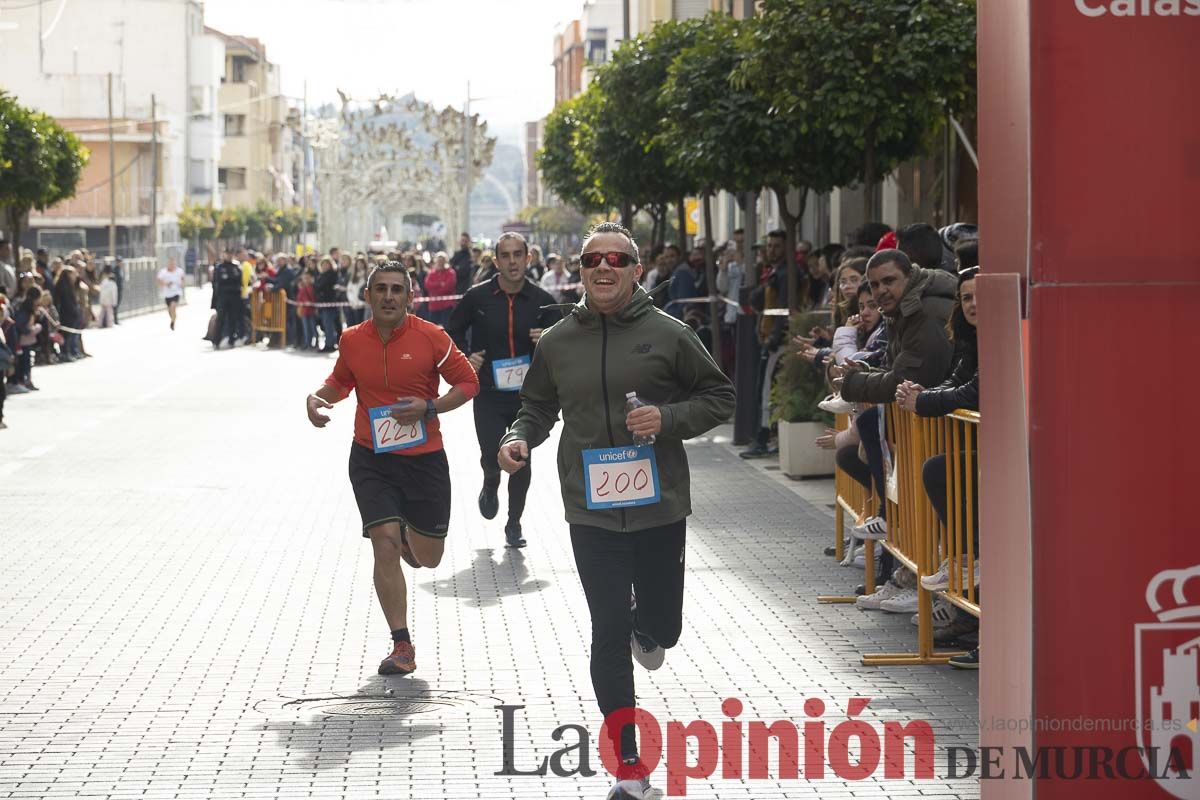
pixel 926 284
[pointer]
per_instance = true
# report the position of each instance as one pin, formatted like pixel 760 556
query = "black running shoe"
pixel 512 535
pixel 489 503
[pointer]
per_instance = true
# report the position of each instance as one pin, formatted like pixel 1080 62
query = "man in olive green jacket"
pixel 627 505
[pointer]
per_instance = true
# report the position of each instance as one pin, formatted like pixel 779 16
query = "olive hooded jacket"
pixel 584 365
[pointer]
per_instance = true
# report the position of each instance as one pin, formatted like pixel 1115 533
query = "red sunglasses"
pixel 615 260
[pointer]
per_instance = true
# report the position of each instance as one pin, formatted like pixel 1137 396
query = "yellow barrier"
pixel 916 537
pixel 959 437
pixel 268 314
pixel 856 500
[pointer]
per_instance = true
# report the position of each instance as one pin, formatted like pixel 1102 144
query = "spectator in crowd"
pixel 7 357
pixel 683 285
pixel 536 268
pixel 924 247
pixel 108 298
pixel 356 281
pixel 729 281
pixel 463 264
pixel 306 312
pixel 868 234
pixel 42 265
pixel 486 269
pixel 325 286
pixel 285 278
pixel 29 321
pixel 66 301
pixel 226 300
pixel 8 273
pixel 916 302
pixel 772 294
pixel 555 277
pixel 442 281
pixel 820 275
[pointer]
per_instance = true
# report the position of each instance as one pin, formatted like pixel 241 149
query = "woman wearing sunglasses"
pixel 627 505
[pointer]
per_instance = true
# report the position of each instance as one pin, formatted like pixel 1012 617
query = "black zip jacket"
pixel 325 286
pixel 491 320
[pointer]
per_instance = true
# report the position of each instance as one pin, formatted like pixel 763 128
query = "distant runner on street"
pixel 499 322
pixel 398 469
pixel 624 474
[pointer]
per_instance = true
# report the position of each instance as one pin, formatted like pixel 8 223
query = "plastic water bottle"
pixel 632 401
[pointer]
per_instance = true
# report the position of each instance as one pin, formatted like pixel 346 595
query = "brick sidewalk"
pixel 186 606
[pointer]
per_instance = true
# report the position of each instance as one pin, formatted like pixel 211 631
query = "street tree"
pixel 566 158
pixel 40 163
pixel 629 117
pixel 866 80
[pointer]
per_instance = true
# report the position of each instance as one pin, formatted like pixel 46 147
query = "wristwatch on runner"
pixel 430 409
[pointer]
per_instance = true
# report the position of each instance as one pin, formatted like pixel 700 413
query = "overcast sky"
pixel 430 47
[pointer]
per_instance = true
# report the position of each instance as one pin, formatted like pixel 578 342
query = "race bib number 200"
pixel 388 434
pixel 620 477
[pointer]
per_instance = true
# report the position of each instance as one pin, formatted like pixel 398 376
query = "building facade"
pixel 154 51
pixel 253 117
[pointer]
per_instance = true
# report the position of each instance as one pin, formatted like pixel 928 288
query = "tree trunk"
pixel 627 215
pixel 749 237
pixel 716 308
pixel 681 239
pixel 789 247
pixel 869 178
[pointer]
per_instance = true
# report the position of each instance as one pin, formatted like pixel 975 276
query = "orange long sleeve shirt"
pixel 408 364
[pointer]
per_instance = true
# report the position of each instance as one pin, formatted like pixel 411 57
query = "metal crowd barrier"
pixel 268 314
pixel 916 538
pixel 959 436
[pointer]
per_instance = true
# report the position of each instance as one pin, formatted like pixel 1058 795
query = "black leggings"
pixel 494 412
pixel 933 475
pixel 651 562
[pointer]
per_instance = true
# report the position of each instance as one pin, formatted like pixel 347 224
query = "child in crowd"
pixel 108 298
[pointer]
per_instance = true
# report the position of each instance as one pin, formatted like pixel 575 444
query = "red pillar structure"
pixel 1089 142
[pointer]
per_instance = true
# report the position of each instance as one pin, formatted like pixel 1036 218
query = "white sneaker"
pixel 834 404
pixel 943 613
pixel 940 580
pixel 873 528
pixel 633 790
pixel 646 651
pixel 905 602
pixel 871 602
pixel 16 388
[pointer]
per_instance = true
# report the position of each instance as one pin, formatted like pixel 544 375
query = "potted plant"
pixel 797 389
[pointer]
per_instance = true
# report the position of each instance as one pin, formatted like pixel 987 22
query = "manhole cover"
pixel 397 704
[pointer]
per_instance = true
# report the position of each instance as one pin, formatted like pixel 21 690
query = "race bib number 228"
pixel 387 434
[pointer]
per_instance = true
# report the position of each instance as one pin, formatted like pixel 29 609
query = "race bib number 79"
pixel 620 477
pixel 388 434
pixel 509 373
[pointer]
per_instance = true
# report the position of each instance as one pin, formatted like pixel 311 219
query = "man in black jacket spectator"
pixel 462 264
pixel 285 278
pixel 227 299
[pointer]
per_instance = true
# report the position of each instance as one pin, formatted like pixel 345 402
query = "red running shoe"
pixel 402 661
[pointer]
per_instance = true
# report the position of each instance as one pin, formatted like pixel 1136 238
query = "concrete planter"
pixel 798 456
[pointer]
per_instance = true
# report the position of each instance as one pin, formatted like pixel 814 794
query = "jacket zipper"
pixel 512 348
pixel 387 383
pixel 604 388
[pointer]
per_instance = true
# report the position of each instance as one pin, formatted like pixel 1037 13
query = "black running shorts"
pixel 412 490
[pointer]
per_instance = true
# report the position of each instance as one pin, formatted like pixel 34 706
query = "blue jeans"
pixel 308 336
pixel 329 321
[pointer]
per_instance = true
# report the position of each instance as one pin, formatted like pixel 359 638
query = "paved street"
pixel 186 607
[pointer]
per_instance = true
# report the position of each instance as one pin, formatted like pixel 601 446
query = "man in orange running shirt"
pixel 398 469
